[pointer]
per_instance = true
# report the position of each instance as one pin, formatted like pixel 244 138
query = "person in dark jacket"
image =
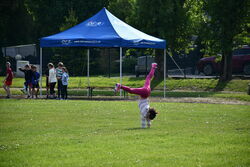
pixel 28 74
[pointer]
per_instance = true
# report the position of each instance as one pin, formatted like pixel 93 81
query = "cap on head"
pixel 8 63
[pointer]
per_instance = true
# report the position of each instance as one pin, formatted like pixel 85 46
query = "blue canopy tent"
pixel 104 30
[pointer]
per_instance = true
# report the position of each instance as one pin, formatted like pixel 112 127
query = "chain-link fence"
pixel 106 61
pixel 19 56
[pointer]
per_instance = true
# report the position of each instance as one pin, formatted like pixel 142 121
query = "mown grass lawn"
pixel 106 133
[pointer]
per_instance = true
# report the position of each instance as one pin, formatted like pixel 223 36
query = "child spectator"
pixel 52 80
pixel 7 82
pixel 65 79
pixel 28 74
pixel 35 81
pixel 47 83
pixel 59 73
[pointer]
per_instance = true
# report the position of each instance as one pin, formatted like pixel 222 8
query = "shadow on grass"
pixel 155 83
pixel 221 85
pixel 136 79
pixel 189 94
pixel 137 128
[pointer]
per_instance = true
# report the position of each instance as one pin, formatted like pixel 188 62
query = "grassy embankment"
pixel 235 89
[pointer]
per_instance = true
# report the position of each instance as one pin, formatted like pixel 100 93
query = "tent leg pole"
pixel 164 73
pixel 88 72
pixel 120 70
pixel 41 70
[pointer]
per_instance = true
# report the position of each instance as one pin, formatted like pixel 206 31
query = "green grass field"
pixel 106 133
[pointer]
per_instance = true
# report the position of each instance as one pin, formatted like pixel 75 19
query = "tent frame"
pixel 88 54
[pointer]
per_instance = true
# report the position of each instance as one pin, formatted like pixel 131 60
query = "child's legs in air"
pixel 143 92
pixel 149 77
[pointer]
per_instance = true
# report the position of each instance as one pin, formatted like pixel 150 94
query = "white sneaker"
pixel 117 87
pixel 154 65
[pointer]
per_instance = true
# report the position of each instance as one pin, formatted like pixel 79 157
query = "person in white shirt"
pixel 52 80
pixel 147 113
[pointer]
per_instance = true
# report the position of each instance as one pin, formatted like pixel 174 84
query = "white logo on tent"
pixel 66 41
pixel 83 41
pixel 143 42
pixel 94 23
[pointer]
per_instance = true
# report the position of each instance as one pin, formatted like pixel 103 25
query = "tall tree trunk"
pixel 223 67
pixel 229 65
pixel 226 46
pixel 226 74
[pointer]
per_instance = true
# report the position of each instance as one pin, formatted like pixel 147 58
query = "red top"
pixel 10 76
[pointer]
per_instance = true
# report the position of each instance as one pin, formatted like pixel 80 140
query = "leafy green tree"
pixel 123 9
pixel 228 21
pixel 16 25
pixel 49 15
pixel 167 19
pixel 70 20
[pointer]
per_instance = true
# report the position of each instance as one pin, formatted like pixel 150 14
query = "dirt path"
pixel 202 100
pixel 152 99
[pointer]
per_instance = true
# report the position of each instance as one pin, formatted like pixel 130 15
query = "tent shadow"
pixel 221 85
pixel 136 79
pixel 155 83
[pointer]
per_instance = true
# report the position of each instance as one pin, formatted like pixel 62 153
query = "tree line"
pixel 214 26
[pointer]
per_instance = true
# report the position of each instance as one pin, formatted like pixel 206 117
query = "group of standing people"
pixel 57 76
pixel 31 84
pixel 31 87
